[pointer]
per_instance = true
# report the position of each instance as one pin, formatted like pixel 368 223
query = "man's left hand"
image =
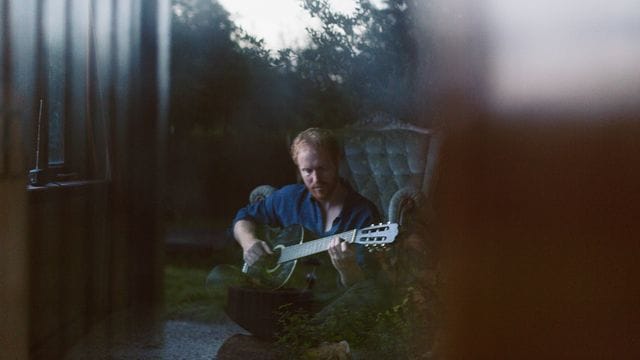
pixel 343 258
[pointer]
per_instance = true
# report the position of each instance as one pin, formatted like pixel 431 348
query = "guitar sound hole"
pixel 268 262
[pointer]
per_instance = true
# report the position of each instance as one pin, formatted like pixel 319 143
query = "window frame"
pixel 81 102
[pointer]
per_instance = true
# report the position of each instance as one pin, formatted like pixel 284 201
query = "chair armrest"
pixel 260 193
pixel 403 201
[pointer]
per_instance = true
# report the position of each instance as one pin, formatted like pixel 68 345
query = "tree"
pixel 207 72
pixel 365 62
pixel 226 90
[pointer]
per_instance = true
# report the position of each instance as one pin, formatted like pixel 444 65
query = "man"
pixel 325 204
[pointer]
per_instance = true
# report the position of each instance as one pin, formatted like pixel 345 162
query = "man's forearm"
pixel 244 231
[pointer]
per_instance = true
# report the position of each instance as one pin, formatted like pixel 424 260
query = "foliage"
pixel 354 65
pixel 369 59
pixel 225 93
pixel 403 330
pixel 209 74
pixel 300 333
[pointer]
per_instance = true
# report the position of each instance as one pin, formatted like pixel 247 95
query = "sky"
pixel 577 53
pixel 281 23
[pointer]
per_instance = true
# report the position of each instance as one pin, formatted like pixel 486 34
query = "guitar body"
pixel 267 271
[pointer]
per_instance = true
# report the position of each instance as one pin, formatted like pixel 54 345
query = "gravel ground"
pixel 125 337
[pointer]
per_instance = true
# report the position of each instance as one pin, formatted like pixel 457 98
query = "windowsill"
pixel 59 185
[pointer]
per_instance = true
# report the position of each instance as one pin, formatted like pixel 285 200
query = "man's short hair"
pixel 319 139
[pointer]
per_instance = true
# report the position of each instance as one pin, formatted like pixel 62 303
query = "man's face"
pixel 318 171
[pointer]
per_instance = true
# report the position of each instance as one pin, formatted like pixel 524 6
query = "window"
pixel 71 127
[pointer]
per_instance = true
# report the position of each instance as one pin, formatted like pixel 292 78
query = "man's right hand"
pixel 255 252
pixel 252 247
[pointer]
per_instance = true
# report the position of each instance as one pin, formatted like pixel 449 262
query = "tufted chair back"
pixel 389 162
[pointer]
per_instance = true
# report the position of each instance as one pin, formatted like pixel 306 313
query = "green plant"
pixel 389 332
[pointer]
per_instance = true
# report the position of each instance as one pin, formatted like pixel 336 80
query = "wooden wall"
pixel 14 310
pixel 74 252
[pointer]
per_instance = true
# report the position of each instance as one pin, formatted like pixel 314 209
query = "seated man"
pixel 325 204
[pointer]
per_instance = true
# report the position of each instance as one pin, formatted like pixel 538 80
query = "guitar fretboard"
pixel 312 247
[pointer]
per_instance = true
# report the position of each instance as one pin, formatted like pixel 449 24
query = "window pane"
pixel 54 29
pixel 77 87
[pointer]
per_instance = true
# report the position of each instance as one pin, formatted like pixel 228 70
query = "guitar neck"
pixel 297 251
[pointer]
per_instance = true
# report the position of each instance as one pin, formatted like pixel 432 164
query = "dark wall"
pixel 541 236
pixel 14 284
pixel 537 199
pixel 72 267
pixel 91 242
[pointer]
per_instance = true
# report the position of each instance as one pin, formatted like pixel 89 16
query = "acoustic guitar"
pixel 294 242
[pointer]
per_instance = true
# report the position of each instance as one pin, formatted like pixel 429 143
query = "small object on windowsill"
pixel 38 177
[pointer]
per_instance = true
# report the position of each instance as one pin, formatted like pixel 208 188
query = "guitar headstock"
pixel 377 235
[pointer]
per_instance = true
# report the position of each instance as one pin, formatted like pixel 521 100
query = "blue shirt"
pixel 293 204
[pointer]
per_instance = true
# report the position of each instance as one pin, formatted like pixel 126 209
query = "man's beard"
pixel 323 191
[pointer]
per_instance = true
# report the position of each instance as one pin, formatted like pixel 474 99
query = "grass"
pixel 186 269
pixel 186 297
pixel 185 294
